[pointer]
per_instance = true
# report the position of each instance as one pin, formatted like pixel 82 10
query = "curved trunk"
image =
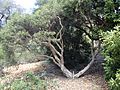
pixel 58 58
pixel 72 75
pixel 69 74
pixel 85 69
pixel 66 72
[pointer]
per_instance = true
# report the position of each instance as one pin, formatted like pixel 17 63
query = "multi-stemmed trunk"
pixel 58 59
pixel 57 55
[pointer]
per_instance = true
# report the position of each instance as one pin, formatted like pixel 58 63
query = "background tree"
pixel 21 30
pixel 7 8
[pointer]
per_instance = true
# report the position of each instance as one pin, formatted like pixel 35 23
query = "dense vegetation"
pixel 26 82
pixel 111 53
pixel 63 31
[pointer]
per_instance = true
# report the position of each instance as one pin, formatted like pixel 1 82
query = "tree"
pixel 7 7
pixel 91 18
pixel 52 23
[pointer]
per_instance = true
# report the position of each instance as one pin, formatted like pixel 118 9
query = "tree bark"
pixel 66 72
pixel 58 58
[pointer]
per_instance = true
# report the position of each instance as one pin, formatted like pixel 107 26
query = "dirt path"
pixel 82 83
pixel 13 72
pixel 87 82
pixel 92 80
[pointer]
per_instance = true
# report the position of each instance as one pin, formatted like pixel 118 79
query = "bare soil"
pixel 93 79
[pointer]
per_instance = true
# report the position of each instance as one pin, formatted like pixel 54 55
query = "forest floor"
pixel 93 79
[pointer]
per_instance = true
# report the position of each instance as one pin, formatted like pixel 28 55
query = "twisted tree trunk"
pixel 58 58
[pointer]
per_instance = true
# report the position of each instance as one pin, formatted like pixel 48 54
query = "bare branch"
pixel 60 29
pixel 56 62
pixel 52 47
pixel 94 54
pixel 53 52
pixel 58 45
pixel 62 50
pixel 46 56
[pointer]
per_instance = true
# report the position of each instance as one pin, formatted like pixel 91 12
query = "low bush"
pixel 28 82
pixel 114 84
pixel 112 58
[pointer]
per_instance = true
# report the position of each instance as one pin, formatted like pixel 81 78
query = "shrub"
pixel 114 84
pixel 112 58
pixel 1 52
pixel 1 55
pixel 28 82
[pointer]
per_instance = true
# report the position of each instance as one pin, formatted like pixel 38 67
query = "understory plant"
pixel 112 58
pixel 27 82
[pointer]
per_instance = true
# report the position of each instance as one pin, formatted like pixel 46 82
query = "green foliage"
pixel 111 52
pixel 114 84
pixel 28 82
pixel 1 52
pixel 7 8
pixel 111 12
pixel 76 49
pixel 17 38
pixel 24 33
pixel 112 58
